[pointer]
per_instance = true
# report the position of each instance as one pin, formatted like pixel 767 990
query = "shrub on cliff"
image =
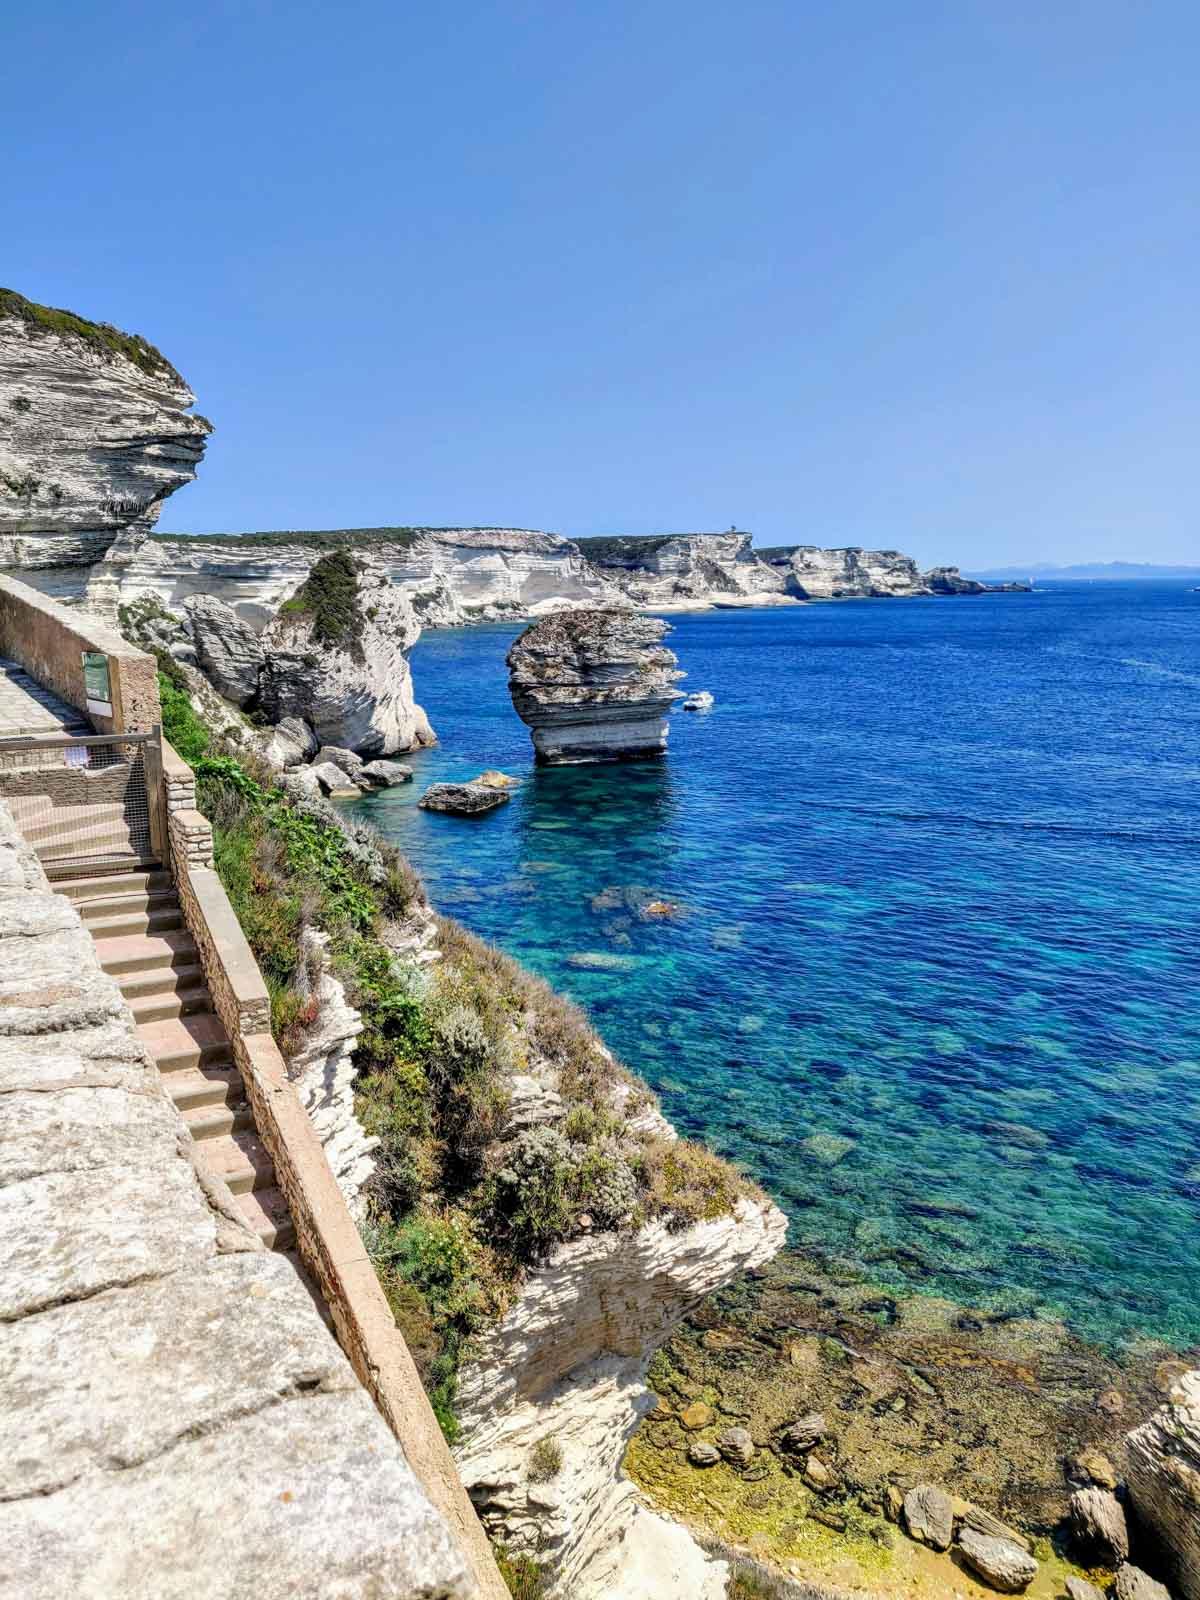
pixel 330 596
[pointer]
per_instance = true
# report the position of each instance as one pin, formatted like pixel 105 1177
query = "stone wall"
pixel 174 1415
pixel 49 640
pixel 326 1235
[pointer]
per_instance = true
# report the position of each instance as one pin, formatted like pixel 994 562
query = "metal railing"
pixel 91 801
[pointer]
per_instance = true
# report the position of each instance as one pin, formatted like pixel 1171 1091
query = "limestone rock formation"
pixel 96 430
pixel 228 651
pixel 812 573
pixel 1001 1565
pixel 687 572
pixel 594 686
pixel 949 580
pixel 569 1359
pixel 929 1515
pixel 462 799
pixel 337 656
pixel 1099 1525
pixel 450 575
pixel 1163 1474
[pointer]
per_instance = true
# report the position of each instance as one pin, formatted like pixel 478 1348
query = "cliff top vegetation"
pixel 329 595
pixel 399 537
pixel 98 336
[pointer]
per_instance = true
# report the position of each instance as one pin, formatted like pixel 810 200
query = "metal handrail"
pixel 67 741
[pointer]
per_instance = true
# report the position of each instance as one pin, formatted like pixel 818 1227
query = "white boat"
pixel 700 701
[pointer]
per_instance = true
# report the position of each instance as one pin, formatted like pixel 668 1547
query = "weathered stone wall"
pixel 49 640
pixel 326 1235
pixel 175 1418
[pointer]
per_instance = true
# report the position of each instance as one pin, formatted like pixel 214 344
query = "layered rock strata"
pixel 687 572
pixel 450 575
pixel 568 1365
pixel 150 1348
pixel 1163 1474
pixel 812 573
pixel 594 686
pixel 96 430
pixel 352 687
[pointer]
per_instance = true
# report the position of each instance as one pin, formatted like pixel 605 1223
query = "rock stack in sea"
pixel 594 685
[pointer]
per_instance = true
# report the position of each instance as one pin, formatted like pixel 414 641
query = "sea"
pixel 931 967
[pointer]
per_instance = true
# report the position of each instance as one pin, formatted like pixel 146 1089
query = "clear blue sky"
pixel 887 272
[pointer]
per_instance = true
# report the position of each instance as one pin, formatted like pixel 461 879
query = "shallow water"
pixel 934 979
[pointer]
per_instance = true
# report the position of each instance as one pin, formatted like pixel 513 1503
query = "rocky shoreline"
pixel 1014 1416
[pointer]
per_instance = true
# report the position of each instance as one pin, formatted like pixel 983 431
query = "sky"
pixel 895 273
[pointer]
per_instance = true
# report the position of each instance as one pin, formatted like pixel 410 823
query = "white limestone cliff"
pixel 355 690
pixel 812 573
pixel 450 575
pixel 96 431
pixel 568 1364
pixel 688 572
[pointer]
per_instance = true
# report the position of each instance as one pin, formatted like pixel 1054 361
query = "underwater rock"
pixel 828 1148
pixel 803 1434
pixel 929 1515
pixel 600 961
pixel 594 686
pixel 1098 1523
pixel 462 799
pixel 1001 1565
pixel 736 1445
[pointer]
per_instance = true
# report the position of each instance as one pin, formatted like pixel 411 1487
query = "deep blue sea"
pixel 935 980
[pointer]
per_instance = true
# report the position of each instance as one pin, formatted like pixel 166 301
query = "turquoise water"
pixel 935 977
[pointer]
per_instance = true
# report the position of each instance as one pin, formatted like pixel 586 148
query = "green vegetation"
pixel 330 596
pixel 545 1461
pixel 618 548
pixel 526 1579
pixel 459 1206
pixel 99 336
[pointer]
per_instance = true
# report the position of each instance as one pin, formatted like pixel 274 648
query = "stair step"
pixel 159 980
pixel 178 1042
pixel 111 927
pixel 123 903
pixel 242 1160
pixel 177 1001
pixel 193 1087
pixel 266 1211
pixel 147 881
pixel 211 1122
pixel 142 952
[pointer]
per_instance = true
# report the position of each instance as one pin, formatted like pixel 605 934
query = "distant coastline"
pixel 1102 571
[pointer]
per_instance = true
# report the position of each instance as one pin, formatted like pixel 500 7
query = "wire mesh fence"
pixel 81 801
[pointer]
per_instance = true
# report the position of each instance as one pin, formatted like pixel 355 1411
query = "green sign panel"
pixel 96 682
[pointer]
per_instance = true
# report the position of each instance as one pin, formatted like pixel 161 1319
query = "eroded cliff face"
pixel 346 674
pixel 687 572
pixel 450 575
pixel 568 1365
pixel 812 573
pixel 96 431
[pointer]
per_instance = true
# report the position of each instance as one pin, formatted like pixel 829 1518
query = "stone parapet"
pixel 175 1418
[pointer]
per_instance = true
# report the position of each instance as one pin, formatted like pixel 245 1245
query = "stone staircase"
pixel 137 924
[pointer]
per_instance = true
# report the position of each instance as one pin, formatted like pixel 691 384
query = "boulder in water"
pixel 462 799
